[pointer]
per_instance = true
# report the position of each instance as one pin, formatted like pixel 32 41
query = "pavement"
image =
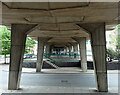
pixel 61 70
pixel 63 80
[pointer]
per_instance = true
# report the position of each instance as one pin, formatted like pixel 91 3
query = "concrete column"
pixel 47 49
pixel 40 52
pixel 70 49
pixel 83 56
pixel 75 49
pixel 98 43
pixel 18 39
pixel 65 50
pixel 51 47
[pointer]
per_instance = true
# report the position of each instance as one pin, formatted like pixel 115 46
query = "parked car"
pixel 109 59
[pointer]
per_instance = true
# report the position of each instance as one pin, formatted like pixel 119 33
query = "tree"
pixel 5 42
pixel 116 40
pixel 112 54
pixel 117 36
pixel 0 40
pixel 30 43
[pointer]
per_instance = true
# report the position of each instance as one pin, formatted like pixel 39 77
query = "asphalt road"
pixel 66 80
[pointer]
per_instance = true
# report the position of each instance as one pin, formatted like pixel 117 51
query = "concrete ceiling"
pixel 59 19
pixel 44 5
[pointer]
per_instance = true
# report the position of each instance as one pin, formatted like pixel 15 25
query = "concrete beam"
pixel 32 29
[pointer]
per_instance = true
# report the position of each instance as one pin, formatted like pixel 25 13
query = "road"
pixel 74 80
pixel 32 81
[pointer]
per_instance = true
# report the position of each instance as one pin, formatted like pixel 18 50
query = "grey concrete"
pixel 70 49
pixel 98 42
pixel 75 49
pixel 51 64
pixel 48 49
pixel 59 22
pixel 81 82
pixel 18 38
pixel 83 55
pixel 67 49
pixel 40 52
pixel 99 55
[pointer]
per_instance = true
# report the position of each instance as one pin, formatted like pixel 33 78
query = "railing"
pixel 65 55
pixel 49 56
pixel 62 55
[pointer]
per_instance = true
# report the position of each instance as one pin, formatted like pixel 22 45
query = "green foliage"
pixel 30 43
pixel 112 54
pixel 117 36
pixel 0 40
pixel 118 42
pixel 5 41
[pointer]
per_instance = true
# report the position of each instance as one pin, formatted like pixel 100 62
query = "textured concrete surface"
pixel 32 82
pixel 59 20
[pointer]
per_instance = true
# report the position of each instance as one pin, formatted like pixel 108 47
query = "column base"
pixel 84 67
pixel 14 80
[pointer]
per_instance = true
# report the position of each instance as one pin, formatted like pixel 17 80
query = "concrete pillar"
pixel 83 56
pixel 70 50
pixel 51 48
pixel 18 39
pixel 98 43
pixel 48 49
pixel 75 49
pixel 40 52
pixel 82 48
pixel 65 50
